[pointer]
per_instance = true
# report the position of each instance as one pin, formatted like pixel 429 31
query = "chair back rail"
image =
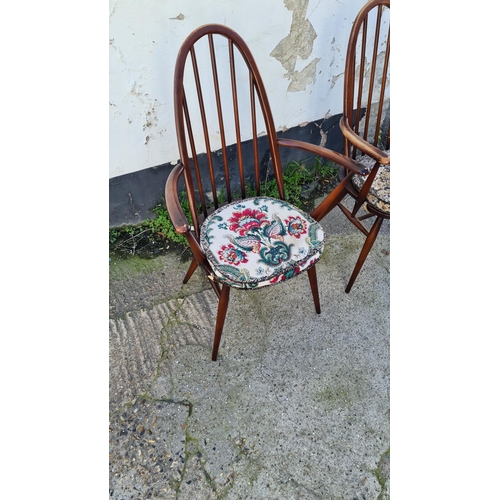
pixel 212 114
pixel 366 76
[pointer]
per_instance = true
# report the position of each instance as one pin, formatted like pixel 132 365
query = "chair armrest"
pixel 339 158
pixel 361 144
pixel 177 216
pixel 180 221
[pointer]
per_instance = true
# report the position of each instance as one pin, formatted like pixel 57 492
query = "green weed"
pixel 296 176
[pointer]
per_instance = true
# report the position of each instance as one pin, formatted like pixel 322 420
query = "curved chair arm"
pixel 177 216
pixel 346 162
pixel 335 196
pixel 361 144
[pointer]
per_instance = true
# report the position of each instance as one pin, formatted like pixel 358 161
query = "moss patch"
pixel 341 390
pixel 382 473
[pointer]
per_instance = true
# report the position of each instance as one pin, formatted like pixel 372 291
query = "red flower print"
pixel 277 279
pixel 248 219
pixel 232 255
pixel 286 275
pixel 296 226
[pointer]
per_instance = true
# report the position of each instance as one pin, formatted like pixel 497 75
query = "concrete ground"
pixel 297 405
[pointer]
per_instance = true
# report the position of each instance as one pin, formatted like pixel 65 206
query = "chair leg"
pixel 191 270
pixel 370 240
pixel 313 281
pixel 221 316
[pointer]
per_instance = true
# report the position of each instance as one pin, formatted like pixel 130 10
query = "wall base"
pixel 132 196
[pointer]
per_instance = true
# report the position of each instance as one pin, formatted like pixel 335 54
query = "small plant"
pixel 325 171
pixel 113 235
pixel 296 176
pixel 162 226
pixel 158 232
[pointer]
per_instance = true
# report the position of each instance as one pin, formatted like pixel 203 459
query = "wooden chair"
pixel 365 126
pixel 239 238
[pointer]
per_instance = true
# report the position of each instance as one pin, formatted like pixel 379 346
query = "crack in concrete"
pixel 191 448
pixel 299 485
pixel 193 451
pixel 382 473
pixel 141 457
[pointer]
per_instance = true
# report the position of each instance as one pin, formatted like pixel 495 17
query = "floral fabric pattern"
pixel 296 226
pixel 246 220
pixel 260 241
pixel 380 191
pixel 232 255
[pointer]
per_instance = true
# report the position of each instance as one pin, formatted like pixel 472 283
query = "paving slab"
pixel 295 407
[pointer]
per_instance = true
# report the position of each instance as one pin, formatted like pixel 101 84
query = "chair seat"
pixel 380 191
pixel 260 241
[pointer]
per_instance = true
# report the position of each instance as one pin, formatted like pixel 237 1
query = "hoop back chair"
pixel 365 126
pixel 240 238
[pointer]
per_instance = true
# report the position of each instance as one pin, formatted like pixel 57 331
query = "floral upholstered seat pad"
pixel 260 241
pixel 379 194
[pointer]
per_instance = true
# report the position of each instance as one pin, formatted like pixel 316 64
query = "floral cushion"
pixel 260 241
pixel 379 194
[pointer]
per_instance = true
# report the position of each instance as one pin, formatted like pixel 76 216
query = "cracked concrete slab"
pixel 297 405
pixel 148 444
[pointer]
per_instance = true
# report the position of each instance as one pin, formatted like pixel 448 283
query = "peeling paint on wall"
pixel 151 119
pixel 120 53
pixel 112 9
pixel 151 123
pixel 334 80
pixel 143 45
pixel 301 79
pixel 298 43
pixel 336 51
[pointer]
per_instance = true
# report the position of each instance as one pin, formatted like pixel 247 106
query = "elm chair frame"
pixel 192 172
pixel 366 135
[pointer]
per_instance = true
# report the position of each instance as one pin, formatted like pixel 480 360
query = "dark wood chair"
pixel 365 126
pixel 239 237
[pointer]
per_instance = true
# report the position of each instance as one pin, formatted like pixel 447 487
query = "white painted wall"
pixel 145 37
